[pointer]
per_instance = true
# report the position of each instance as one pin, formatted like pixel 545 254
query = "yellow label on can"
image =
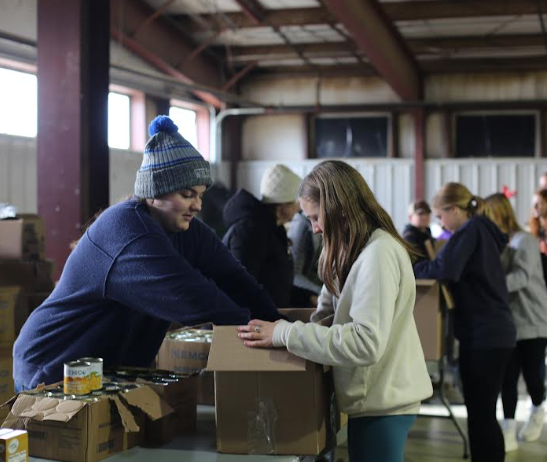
pixel 77 378
pixel 95 372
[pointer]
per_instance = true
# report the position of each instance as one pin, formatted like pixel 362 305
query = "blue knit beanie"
pixel 170 163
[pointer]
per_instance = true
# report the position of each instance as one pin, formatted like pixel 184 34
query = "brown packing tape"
pixel 128 420
pixel 148 401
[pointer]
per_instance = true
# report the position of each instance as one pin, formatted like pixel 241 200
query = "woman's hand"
pixel 257 333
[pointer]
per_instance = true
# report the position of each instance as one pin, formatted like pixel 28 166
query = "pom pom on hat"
pixel 162 123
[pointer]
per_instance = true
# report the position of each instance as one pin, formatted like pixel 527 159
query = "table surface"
pixel 197 447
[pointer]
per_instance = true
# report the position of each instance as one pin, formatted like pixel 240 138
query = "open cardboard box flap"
pixel 229 354
pixel 28 407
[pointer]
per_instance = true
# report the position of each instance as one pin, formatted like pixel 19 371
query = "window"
pixel 18 103
pixel 119 121
pixel 185 119
pixel 499 135
pixel 357 136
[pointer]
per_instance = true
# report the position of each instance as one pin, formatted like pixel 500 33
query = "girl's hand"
pixel 257 333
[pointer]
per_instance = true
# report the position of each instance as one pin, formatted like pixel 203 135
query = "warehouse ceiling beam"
pixel 418 46
pixel 163 66
pixel 163 45
pixel 381 43
pixel 396 11
pixel 237 77
pixel 253 10
pixel 161 10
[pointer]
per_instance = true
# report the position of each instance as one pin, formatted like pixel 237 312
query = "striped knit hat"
pixel 170 163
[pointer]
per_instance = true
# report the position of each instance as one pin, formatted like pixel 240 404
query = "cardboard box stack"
pixel 25 282
pixel 186 351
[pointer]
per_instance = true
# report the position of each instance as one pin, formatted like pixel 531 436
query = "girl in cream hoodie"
pixel 380 375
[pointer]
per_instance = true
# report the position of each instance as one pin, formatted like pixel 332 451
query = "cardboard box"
pixel 268 401
pixel 79 431
pixel 22 237
pixel 13 445
pixel 6 375
pixel 9 304
pixel 188 357
pixel 33 276
pixel 297 314
pixel 428 318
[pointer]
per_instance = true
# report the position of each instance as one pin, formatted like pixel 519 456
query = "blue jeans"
pixel 378 439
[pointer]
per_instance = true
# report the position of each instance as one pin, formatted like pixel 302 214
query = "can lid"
pixel 77 363
pixel 91 360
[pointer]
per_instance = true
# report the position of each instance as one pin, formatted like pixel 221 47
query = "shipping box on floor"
pixel 22 237
pixel 268 401
pixel 9 305
pixel 79 431
pixel 6 379
pixel 428 318
pixel 32 276
pixel 188 357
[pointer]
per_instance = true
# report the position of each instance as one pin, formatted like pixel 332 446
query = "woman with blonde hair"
pixel 380 376
pixel 471 266
pixel 527 300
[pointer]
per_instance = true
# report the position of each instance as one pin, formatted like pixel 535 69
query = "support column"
pixel 73 155
pixel 419 153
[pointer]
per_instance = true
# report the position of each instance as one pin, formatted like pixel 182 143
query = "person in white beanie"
pixel 256 234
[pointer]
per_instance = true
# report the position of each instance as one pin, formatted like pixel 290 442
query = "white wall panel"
pixel 487 176
pixel 391 180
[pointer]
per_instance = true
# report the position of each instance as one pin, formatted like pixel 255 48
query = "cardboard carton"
pixel 188 357
pixel 33 276
pixel 297 314
pixel 80 431
pixel 22 237
pixel 13 445
pixel 6 373
pixel 428 318
pixel 9 304
pixel 268 401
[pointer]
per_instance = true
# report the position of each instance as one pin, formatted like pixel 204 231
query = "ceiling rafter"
pixel 396 11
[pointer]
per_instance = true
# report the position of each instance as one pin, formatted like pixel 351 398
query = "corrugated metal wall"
pixel 391 180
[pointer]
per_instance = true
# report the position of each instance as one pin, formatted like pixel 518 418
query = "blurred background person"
pixel 417 231
pixel 256 233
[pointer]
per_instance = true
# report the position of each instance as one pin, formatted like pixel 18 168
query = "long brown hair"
pixel 457 195
pixel 350 213
pixel 500 211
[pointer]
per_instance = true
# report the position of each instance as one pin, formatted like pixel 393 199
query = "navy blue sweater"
pixel 470 264
pixel 122 286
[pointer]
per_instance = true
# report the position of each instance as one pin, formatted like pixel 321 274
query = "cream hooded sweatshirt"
pixel 373 345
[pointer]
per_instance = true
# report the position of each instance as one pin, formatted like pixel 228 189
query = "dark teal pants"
pixel 378 439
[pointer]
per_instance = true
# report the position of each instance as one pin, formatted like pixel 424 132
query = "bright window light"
pixel 18 103
pixel 119 121
pixel 185 119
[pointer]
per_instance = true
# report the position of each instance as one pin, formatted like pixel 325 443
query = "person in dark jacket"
pixel 144 263
pixel 256 234
pixel 470 263
pixel 417 232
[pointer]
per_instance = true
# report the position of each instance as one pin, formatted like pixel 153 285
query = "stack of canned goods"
pixel 156 376
pixel 192 335
pixel 83 376
pixel 112 388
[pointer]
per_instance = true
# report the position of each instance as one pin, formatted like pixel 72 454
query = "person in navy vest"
pixel 143 263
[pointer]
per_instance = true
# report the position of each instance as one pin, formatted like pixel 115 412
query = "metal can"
pixel 96 372
pixel 76 378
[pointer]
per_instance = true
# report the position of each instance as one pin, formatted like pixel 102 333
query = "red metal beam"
pixel 159 63
pixel 242 73
pixel 150 18
pixel 382 44
pixel 253 10
pixel 162 42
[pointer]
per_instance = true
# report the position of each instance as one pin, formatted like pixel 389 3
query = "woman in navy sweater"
pixel 143 264
pixel 471 266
